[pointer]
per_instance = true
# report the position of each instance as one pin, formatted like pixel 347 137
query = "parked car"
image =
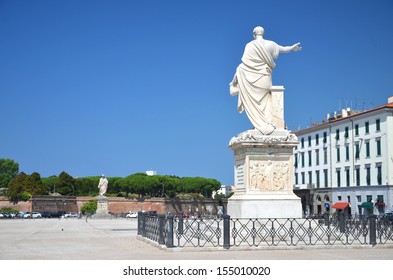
pixel 71 215
pixel 132 215
pixel 33 215
pixel 317 216
pixel 5 215
pixel 51 214
pixel 20 214
pixel 36 215
pixel 388 217
pixel 26 215
pixel 185 215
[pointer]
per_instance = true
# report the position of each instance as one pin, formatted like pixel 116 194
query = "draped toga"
pixel 253 80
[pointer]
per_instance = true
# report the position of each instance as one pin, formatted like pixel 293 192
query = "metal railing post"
pixel 139 223
pixel 169 230
pixel 373 229
pixel 341 222
pixel 226 227
pixel 181 222
pixel 144 216
pixel 161 229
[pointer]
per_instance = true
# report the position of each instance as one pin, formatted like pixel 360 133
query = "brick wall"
pixel 118 205
pixel 24 206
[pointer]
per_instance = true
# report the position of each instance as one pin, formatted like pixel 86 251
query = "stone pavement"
pixel 116 239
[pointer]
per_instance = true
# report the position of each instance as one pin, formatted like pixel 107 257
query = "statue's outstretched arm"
pixel 296 47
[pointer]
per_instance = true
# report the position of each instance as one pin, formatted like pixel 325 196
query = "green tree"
pixel 89 207
pixel 169 185
pixel 66 184
pixel 50 183
pixel 8 171
pixel 23 186
pixel 86 186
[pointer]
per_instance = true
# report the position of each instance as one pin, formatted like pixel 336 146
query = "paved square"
pixel 116 239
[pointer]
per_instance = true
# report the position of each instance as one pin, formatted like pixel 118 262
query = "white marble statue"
pixel 103 185
pixel 253 80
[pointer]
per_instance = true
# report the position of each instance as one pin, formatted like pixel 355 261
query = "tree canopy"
pixel 8 171
pixel 21 186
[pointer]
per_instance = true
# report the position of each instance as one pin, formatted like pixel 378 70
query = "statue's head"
pixel 258 31
pixel 103 175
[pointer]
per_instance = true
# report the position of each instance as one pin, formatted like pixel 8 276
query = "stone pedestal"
pixel 263 176
pixel 102 208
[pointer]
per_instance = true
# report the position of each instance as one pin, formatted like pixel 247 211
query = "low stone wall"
pixel 24 206
pixel 118 205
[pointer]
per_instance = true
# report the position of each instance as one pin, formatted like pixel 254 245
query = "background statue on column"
pixel 253 80
pixel 103 185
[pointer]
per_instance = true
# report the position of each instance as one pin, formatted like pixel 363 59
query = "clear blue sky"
pixel 119 87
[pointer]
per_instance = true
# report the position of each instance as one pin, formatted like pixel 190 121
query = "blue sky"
pixel 119 87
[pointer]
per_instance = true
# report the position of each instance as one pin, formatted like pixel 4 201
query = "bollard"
pixel 227 219
pixel 341 222
pixel 181 223
pixel 373 229
pixel 169 231
pixel 161 228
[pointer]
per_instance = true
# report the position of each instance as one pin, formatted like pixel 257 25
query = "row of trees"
pixel 21 186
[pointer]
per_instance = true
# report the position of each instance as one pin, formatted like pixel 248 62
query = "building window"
pixel 296 161
pixel 337 134
pixel 338 173
pixel 359 198
pixel 318 180
pixel 369 198
pixel 367 127
pixel 378 125
pixel 309 141
pixel 348 198
pixel 325 137
pixel 317 139
pixel 339 198
pixel 302 159
pixel 317 157
pixel 325 178
pixel 367 149
pixel 378 140
pixel 357 175
pixel 338 153
pixel 302 142
pixel 347 177
pixel 356 130
pixel 346 132
pixel 347 152
pixel 309 158
pixel 368 175
pixel 357 150
pixel 296 179
pixel 303 178
pixel 325 155
pixel 379 174
pixel 310 179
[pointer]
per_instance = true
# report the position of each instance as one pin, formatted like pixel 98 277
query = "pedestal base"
pixel 263 176
pixel 264 206
pixel 102 208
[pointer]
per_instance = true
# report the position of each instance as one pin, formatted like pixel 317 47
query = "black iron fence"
pixel 228 232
